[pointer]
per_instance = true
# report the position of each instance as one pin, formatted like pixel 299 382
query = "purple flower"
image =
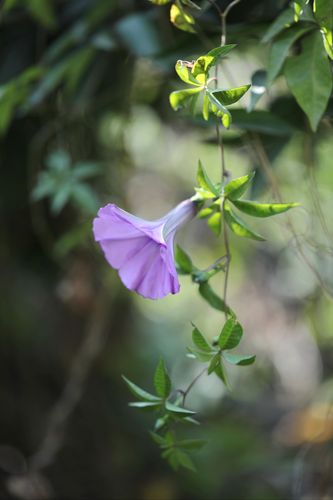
pixel 141 250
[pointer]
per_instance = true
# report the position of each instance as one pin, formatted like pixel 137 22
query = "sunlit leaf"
pixel 214 222
pixel 162 380
pixel 230 96
pixel 182 19
pixel 238 226
pixel 160 2
pixel 180 98
pixel 144 405
pixel 185 74
pixel 262 209
pixel 205 62
pixel 237 187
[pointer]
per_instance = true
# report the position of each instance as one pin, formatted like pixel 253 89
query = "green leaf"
pixel 141 393
pixel 200 341
pixel 230 96
pixel 263 209
pixel 309 78
pixel 185 74
pixel 212 298
pixel 238 226
pixel 214 222
pixel 60 198
pixel 203 357
pixel 162 380
pixel 204 181
pixel 236 359
pixel 205 212
pixel 160 440
pixel 178 410
pixel 84 170
pixel 183 261
pixel 230 335
pixel 216 106
pixel 204 195
pixel 298 8
pixel 284 20
pixel 184 460
pixel 182 19
pixel 85 198
pixel 203 64
pixel 258 88
pixel 215 361
pixel 145 405
pixel 237 187
pixel 280 49
pixel 191 444
pixel 181 98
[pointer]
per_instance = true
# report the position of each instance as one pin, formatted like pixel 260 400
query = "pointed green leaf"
pixel 212 298
pixel 203 357
pixel 280 49
pixel 60 198
pixel 238 226
pixel 205 107
pixel 160 2
pixel 203 64
pixel 141 393
pixel 205 212
pixel 204 181
pixel 145 405
pixel 160 440
pixel 263 209
pixel 183 261
pixel 200 341
pixel 230 335
pixel 309 78
pixel 284 20
pixel 237 187
pixel 236 359
pixel 184 460
pixel 204 194
pixel 178 410
pixel 230 96
pixel 162 380
pixel 181 98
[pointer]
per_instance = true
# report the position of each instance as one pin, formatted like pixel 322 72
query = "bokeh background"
pixel 85 120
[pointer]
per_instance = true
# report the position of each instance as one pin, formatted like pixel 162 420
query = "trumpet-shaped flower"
pixel 142 251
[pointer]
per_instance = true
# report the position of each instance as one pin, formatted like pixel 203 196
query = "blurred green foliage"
pixel 85 119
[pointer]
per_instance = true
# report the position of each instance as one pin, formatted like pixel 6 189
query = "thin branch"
pixel 191 385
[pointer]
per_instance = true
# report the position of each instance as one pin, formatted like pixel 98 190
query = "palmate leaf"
pixel 238 226
pixel 309 78
pixel 230 335
pixel 162 380
pixel 237 187
pixel 263 209
pixel 141 393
